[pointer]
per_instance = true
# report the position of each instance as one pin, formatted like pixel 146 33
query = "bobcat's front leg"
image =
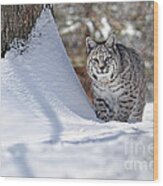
pixel 102 109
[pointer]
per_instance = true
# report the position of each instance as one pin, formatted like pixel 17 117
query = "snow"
pixel 106 28
pixel 71 28
pixel 129 30
pixel 48 127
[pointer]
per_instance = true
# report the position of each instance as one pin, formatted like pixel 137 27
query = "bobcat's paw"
pixel 103 115
pixel 102 110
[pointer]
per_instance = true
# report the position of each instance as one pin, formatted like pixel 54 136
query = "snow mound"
pixel 46 119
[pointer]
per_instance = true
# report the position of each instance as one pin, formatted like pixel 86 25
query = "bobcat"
pixel 118 80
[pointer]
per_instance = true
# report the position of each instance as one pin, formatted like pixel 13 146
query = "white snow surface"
pixel 49 129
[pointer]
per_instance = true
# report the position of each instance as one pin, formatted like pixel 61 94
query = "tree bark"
pixel 17 22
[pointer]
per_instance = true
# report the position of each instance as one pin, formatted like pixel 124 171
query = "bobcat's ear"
pixel 90 44
pixel 111 41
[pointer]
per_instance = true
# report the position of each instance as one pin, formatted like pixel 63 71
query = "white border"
pixel 79 182
pixel 61 1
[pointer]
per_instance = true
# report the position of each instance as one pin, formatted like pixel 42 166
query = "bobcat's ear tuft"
pixel 111 41
pixel 90 44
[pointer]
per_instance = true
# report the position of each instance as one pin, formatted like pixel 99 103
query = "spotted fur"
pixel 118 80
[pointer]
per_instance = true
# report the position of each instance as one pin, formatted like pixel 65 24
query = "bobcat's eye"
pixel 94 61
pixel 107 61
pixel 110 55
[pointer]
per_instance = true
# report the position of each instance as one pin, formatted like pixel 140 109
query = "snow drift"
pixel 48 128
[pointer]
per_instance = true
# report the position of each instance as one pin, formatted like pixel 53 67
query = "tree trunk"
pixel 17 22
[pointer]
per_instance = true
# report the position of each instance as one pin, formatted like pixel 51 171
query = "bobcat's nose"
pixel 101 65
pixel 102 68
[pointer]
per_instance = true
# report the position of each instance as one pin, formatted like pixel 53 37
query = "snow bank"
pixel 47 121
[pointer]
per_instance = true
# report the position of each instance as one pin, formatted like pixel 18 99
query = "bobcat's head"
pixel 102 59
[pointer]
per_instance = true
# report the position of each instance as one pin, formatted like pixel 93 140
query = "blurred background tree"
pixel 132 23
